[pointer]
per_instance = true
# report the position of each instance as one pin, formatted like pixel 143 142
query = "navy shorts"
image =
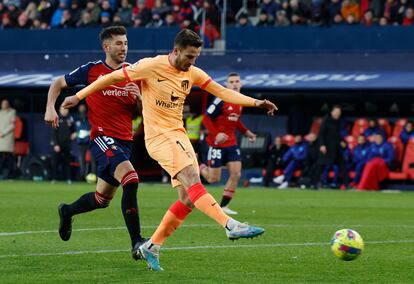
pixel 218 157
pixel 108 153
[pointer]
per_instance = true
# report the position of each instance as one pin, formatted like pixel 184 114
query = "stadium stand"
pixel 398 126
pixel 359 126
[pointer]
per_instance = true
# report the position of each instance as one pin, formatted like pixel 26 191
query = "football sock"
pixel 87 202
pixel 129 206
pixel 227 196
pixel 206 203
pixel 170 222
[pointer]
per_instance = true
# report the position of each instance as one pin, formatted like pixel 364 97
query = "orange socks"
pixel 206 203
pixel 170 222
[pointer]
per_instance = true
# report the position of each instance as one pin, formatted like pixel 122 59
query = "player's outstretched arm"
pixel 234 97
pixel 101 83
pixel 51 117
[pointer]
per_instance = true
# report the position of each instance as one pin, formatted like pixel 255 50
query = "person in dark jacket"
pixel 275 159
pixel 312 155
pixel 373 128
pixel 331 146
pixel 407 132
pixel 359 158
pixel 380 158
pixel 62 144
pixel 293 159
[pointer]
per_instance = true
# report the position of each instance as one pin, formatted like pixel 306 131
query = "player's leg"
pixel 212 171
pixel 126 175
pixel 234 168
pixel 87 202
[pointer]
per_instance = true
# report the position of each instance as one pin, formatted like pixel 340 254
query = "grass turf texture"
pixel 294 249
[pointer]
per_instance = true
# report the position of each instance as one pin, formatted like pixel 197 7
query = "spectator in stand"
pixel 58 15
pixel 6 23
pixel 66 21
pixel 62 144
pixel 155 22
pixel 106 7
pixel 116 21
pixel 318 13
pixel 13 12
pixel 390 10
pixel 263 20
pixel 243 21
pixel 368 19
pixel 211 13
pixel 31 11
pixel 7 125
pixel 23 22
pixel 350 8
pixel 338 20
pixel 137 22
pixel 359 158
pixel 294 159
pixel 143 12
pixel 275 159
pixel 377 8
pixel 379 162
pixel 334 8
pixel 408 132
pixel 189 24
pixel 169 21
pixel 186 10
pixel 401 12
pixel 281 20
pixel 94 10
pixel 160 8
pixel 383 21
pixel 105 19
pixel 409 16
pixel 211 34
pixel 373 128
pixel 270 7
pixel 296 12
pixel 76 12
pixel 3 9
pixel 86 21
pixel 125 12
pixel 45 11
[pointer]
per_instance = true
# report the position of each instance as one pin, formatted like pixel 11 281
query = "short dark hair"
pixel 108 32
pixel 233 74
pixel 336 106
pixel 186 38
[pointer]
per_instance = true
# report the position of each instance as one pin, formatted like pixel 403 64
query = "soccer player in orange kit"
pixel 166 80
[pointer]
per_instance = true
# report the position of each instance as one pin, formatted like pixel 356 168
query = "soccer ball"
pixel 347 244
pixel 91 178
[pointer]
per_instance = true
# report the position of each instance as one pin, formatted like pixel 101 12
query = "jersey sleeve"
pixel 79 76
pixel 200 78
pixel 215 108
pixel 139 70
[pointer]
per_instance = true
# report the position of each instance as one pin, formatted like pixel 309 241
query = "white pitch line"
pixel 5 234
pixel 196 248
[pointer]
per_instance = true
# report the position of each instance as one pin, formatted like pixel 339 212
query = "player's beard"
pixel 117 59
pixel 180 66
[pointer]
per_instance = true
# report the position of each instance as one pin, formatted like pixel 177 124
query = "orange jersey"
pixel 164 89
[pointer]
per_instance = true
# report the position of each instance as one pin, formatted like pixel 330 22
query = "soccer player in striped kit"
pixel 110 114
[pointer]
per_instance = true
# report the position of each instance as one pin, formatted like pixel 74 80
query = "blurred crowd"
pixel 52 14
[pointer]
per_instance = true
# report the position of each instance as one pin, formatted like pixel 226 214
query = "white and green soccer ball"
pixel 90 178
pixel 347 244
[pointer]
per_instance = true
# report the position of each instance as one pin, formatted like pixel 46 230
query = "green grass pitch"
pixel 294 249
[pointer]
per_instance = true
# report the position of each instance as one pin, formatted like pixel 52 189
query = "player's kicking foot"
pixel 244 231
pixel 150 253
pixel 65 225
pixel 135 250
pixel 228 211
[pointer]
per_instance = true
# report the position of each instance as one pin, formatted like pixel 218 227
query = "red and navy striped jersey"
pixel 111 109
pixel 223 117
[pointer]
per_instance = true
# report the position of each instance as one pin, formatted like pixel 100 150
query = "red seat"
pixel 288 139
pixel 408 161
pixel 397 176
pixel 316 125
pixel 385 124
pixel 398 127
pixel 398 148
pixel 359 126
pixel 18 128
pixel 21 148
pixel 351 141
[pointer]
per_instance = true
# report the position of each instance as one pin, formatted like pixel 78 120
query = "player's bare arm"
pixel 250 135
pixel 51 117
